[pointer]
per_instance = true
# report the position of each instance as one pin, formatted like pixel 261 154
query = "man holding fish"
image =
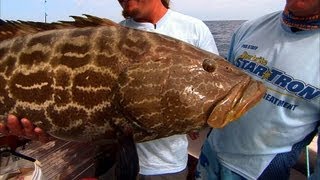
pixel 266 142
pixel 166 157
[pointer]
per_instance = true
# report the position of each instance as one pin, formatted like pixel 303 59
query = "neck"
pixel 300 23
pixel 154 15
pixel 303 8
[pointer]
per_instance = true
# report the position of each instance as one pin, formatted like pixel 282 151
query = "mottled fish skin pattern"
pixel 88 83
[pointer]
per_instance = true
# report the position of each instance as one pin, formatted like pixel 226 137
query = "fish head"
pixel 180 92
pixel 235 92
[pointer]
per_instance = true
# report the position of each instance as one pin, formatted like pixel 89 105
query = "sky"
pixel 34 10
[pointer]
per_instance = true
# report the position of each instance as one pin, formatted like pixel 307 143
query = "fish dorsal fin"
pixel 11 29
pixel 88 21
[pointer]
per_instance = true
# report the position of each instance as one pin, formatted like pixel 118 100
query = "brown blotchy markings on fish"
pixel 34 114
pixel 33 58
pixel 165 48
pixel 161 40
pixel 127 120
pixel 73 54
pixel 73 62
pixel 63 78
pixel 174 107
pixel 95 82
pixel 62 95
pixel 73 48
pixel 103 115
pixel 26 87
pixel 82 32
pixel 3 52
pixel 66 118
pixel 141 109
pixel 174 110
pixel 10 65
pixel 192 54
pixel 17 45
pixel 2 85
pixel 5 101
pixel 43 40
pixel 95 89
pixel 134 48
pixel 102 45
pixel 110 62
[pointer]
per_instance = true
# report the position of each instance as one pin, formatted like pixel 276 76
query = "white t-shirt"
pixel 289 65
pixel 170 155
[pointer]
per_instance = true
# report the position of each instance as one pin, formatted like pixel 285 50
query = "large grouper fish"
pixel 91 79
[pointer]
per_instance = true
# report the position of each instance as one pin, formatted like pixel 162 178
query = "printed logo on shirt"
pixel 257 66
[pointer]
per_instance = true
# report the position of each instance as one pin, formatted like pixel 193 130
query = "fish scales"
pixel 94 81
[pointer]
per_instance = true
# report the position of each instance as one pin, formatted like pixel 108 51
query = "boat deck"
pixel 63 160
pixel 72 161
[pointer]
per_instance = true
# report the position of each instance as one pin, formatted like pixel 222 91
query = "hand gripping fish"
pixel 92 79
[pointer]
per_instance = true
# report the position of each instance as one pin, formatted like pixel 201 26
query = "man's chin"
pixel 130 13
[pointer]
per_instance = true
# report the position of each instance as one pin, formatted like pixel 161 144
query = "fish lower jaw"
pixel 236 104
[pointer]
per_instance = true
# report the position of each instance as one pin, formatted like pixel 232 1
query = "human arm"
pixel 23 128
pixel 194 135
pixel 316 174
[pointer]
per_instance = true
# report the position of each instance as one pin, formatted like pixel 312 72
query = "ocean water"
pixel 222 32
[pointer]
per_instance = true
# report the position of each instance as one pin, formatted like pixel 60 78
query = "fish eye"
pixel 208 65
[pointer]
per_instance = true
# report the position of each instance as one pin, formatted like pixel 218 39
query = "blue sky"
pixel 33 10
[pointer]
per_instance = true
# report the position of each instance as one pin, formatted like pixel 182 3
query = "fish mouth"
pixel 239 100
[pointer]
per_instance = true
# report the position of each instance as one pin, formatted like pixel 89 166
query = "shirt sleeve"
pixel 230 52
pixel 235 39
pixel 206 40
